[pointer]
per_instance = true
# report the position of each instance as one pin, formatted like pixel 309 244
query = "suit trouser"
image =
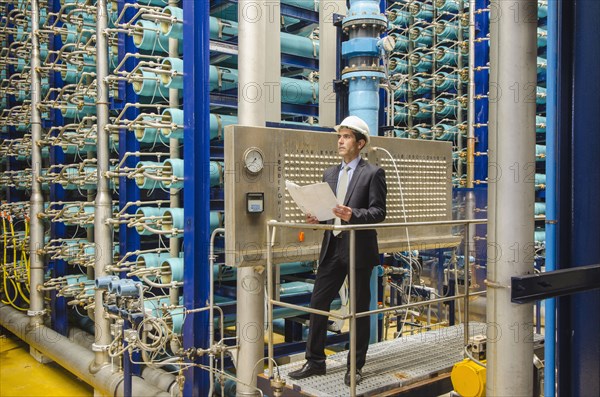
pixel 330 277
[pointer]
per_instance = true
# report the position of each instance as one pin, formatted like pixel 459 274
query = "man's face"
pixel 348 146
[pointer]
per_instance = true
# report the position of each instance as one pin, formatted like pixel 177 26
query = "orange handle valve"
pixel 301 237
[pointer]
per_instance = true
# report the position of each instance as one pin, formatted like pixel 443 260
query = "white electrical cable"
pixel 410 258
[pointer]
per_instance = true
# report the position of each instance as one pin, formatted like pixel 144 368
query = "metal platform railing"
pixel 353 315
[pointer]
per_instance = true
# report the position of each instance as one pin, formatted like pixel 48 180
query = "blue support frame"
pixel 129 239
pixel 59 316
pixel 196 198
pixel 578 143
pixel 482 57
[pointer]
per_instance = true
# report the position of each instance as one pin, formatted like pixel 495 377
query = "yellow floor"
pixel 22 376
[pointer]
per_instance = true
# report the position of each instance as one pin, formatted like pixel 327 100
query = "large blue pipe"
pixel 551 193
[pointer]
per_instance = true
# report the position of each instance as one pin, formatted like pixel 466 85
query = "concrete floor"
pixel 22 376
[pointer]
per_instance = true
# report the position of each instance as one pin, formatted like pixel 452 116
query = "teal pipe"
pixel 146 212
pixel 540 152
pixel 446 107
pixel 146 183
pixel 420 85
pixel 421 10
pixel 172 30
pixel 175 168
pixel 312 5
pixel 174 65
pixel 540 98
pixel 158 3
pixel 541 65
pixel 221 29
pixel 420 109
pixel 151 261
pixel 172 116
pixel 173 220
pixel 218 122
pixel 542 37
pixel 294 91
pixel 540 181
pixel 420 61
pixel 540 209
pixel 446 30
pixel 398 16
pixel 222 79
pixel 147 37
pixel 400 115
pixel 175 272
pixel 149 134
pixel 540 124
pixel 445 132
pixel 421 35
pixel 147 84
pixel 72 34
pixel 398 65
pixel 217 219
pixel 216 173
pixel 540 235
pixel 447 5
pixel 419 132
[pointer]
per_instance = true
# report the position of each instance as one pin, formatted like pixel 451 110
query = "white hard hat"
pixel 356 124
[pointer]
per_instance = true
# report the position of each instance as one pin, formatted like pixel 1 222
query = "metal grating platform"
pixel 391 364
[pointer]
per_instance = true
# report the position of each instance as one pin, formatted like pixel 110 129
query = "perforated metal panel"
pixel 424 169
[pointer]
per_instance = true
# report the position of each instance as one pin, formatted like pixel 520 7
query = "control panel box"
pixel 259 160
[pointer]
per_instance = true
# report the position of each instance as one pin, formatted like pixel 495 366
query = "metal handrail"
pixel 352 315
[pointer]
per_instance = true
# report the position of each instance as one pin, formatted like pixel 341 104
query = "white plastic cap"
pixel 356 124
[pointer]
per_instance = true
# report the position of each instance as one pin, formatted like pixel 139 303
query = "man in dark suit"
pixel 361 190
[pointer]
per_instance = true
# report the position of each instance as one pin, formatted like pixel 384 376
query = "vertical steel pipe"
pixel 270 348
pixel 273 67
pixel 513 78
pixel 352 282
pixel 174 153
pixel 103 233
pixel 251 112
pixel 36 239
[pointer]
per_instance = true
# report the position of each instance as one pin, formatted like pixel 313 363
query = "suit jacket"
pixel 366 195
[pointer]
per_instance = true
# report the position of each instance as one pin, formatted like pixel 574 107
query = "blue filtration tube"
pixel 222 29
pixel 293 91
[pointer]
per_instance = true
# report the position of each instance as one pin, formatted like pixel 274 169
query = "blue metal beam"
pixel 196 198
pixel 578 318
pixel 57 193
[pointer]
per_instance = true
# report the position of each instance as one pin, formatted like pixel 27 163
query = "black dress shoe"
pixel 309 368
pixel 358 377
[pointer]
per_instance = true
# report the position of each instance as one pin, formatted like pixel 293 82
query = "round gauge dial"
pixel 253 160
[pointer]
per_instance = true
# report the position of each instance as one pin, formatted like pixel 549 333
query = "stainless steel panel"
pixel 425 172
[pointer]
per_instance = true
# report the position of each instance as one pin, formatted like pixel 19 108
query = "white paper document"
pixel 316 199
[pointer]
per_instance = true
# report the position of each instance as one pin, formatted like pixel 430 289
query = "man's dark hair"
pixel 359 135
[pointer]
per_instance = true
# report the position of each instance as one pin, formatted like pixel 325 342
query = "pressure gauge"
pixel 253 160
